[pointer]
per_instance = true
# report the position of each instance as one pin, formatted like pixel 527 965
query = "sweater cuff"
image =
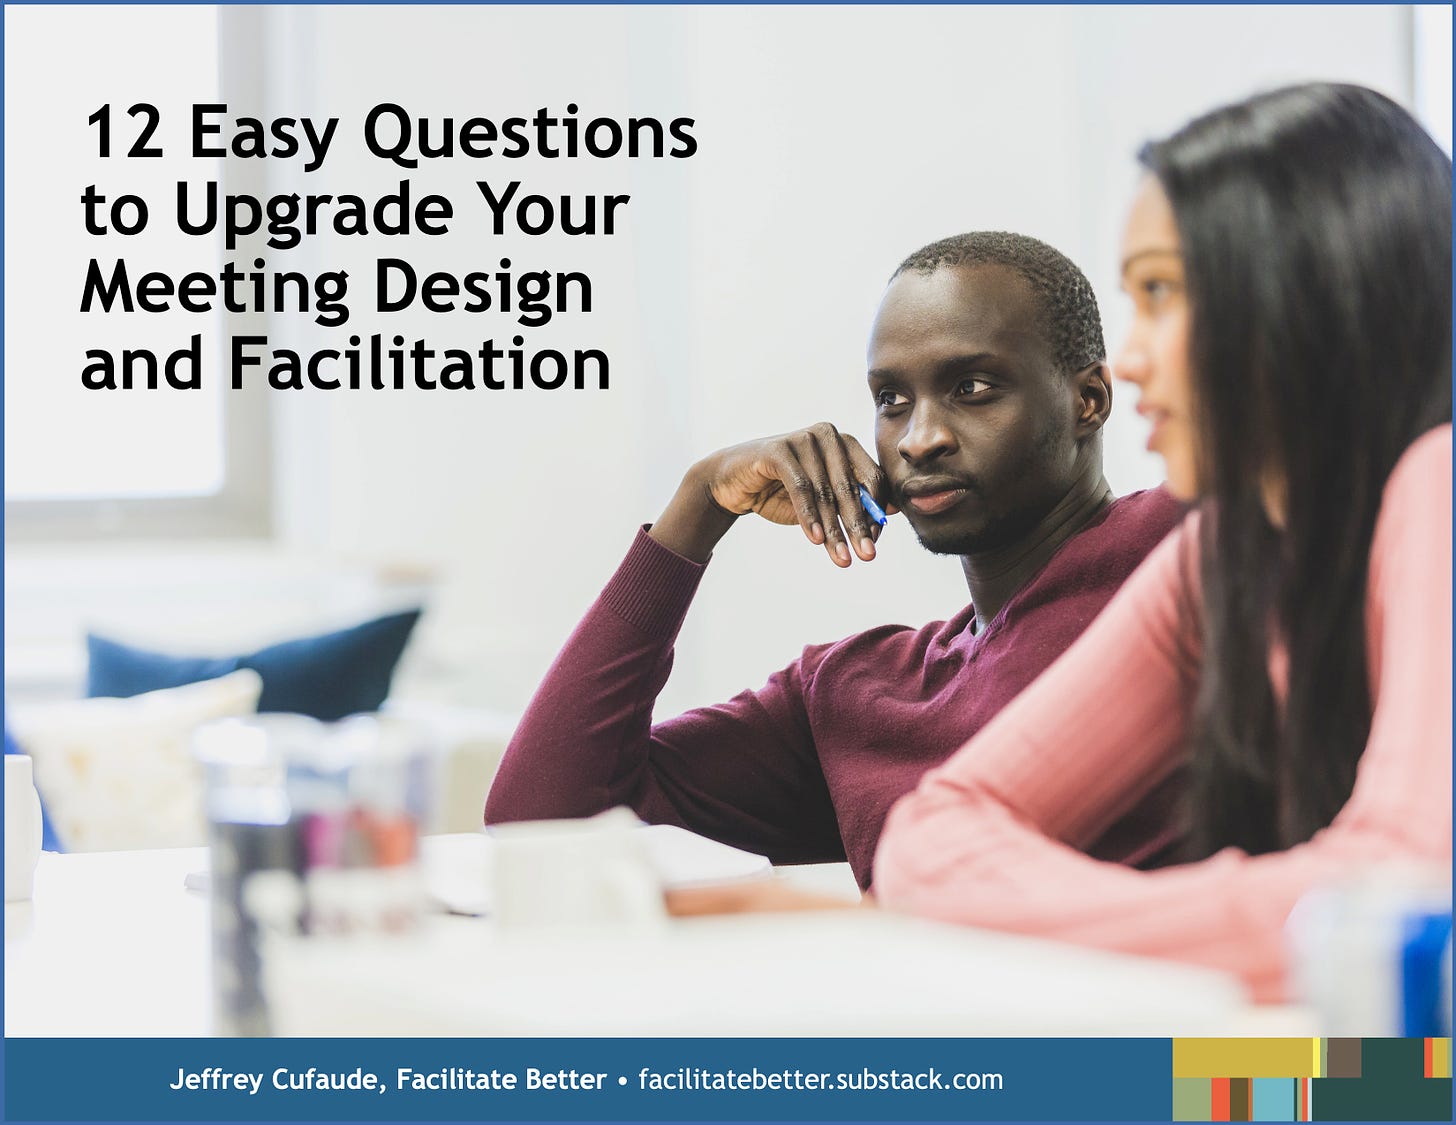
pixel 653 587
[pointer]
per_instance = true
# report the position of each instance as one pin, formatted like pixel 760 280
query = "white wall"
pixel 833 142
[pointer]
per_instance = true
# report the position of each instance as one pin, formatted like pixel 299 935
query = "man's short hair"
pixel 1067 301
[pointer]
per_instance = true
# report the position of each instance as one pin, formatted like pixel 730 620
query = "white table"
pixel 114 945
pixel 111 944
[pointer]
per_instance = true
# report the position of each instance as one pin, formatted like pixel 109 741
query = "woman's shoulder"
pixel 1422 476
pixel 1412 543
pixel 1434 442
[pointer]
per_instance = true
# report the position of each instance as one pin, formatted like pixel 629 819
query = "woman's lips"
pixel 932 503
pixel 1157 418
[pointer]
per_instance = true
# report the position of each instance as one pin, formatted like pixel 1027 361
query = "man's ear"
pixel 1093 386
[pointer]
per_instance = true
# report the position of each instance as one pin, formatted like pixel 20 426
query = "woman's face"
pixel 1155 354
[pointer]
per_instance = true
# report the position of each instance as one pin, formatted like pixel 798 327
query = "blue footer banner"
pixel 588 1080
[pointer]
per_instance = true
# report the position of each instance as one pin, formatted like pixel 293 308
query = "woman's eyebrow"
pixel 1152 252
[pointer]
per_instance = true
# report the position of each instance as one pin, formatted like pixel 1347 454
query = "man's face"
pixel 974 424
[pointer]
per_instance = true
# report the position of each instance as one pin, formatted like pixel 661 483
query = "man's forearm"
pixel 585 738
pixel 692 523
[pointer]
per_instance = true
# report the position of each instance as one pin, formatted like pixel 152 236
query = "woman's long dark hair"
pixel 1315 224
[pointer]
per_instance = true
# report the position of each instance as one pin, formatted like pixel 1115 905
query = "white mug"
pixel 567 873
pixel 22 828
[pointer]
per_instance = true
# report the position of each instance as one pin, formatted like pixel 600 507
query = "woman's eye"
pixel 1157 289
pixel 889 398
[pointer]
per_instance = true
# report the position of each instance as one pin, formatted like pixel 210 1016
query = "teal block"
pixel 1393 1061
pixel 1364 1099
pixel 1274 1099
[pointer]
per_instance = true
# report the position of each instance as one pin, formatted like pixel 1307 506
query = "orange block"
pixel 1220 1099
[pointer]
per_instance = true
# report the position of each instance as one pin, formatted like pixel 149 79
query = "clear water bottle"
pixel 257 854
pixel 314 830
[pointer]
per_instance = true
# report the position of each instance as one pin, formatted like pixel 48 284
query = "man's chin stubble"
pixel 996 532
pixel 953 544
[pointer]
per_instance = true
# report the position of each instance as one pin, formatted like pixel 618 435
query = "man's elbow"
pixel 515 796
pixel 500 808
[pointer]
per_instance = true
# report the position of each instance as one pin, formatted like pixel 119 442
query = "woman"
pixel 1289 645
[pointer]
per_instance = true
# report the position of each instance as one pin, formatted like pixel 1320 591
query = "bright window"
pixel 78 460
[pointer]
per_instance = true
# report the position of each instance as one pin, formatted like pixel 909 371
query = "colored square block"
pixel 1274 1099
pixel 1219 1099
pixel 1249 1058
pixel 1370 1099
pixel 1192 1099
pixel 1438 1058
pixel 1241 1098
pixel 1393 1060
pixel 1342 1058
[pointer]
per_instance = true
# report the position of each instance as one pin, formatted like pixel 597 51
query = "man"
pixel 986 366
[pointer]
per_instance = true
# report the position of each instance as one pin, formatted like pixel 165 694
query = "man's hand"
pixel 809 477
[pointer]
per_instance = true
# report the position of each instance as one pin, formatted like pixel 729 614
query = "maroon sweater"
pixel 805 769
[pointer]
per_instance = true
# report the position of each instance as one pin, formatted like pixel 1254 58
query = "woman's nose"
pixel 1131 363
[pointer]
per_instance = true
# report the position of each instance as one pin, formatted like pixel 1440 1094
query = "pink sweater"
pixel 991 838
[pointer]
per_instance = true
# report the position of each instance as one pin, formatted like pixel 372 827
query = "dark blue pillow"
pixel 328 676
pixel 49 841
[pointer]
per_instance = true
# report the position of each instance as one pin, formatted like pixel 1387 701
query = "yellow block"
pixel 1246 1058
pixel 1441 1058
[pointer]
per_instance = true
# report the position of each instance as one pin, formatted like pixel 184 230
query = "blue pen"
pixel 868 503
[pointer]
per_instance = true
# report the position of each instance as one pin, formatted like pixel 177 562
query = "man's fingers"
pixel 799 488
pixel 811 458
pixel 811 477
pixel 857 523
pixel 868 470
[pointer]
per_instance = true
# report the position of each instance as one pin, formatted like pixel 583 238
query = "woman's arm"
pixel 990 838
